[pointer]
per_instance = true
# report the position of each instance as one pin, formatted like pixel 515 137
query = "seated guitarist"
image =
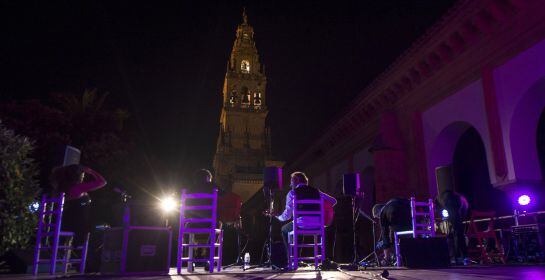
pixel 300 187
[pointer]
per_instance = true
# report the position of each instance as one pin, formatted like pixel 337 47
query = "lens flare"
pixel 524 200
pixel 168 204
pixel 444 213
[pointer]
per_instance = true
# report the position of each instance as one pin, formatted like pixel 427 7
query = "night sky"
pixel 165 62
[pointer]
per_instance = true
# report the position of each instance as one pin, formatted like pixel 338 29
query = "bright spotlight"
pixel 168 204
pixel 524 200
pixel 34 206
pixel 444 213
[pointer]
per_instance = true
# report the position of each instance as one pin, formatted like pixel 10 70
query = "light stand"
pixel 354 264
pixel 365 261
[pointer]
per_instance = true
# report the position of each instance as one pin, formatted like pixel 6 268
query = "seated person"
pixel 301 189
pixel 72 181
pixel 394 216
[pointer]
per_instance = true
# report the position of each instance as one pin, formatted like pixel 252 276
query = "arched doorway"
pixel 471 176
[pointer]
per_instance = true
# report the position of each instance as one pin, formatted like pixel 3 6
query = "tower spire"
pixel 244 16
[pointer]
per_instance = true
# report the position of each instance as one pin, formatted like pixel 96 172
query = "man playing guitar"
pixel 299 184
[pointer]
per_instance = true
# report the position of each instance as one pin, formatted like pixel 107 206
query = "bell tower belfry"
pixel 243 145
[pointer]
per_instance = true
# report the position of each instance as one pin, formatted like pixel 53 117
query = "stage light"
pixel 168 204
pixel 524 200
pixel 444 213
pixel 34 206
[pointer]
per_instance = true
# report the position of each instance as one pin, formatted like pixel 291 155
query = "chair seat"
pixel 200 230
pixel 202 245
pixel 307 245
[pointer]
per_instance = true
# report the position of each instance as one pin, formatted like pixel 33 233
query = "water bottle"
pixel 246 260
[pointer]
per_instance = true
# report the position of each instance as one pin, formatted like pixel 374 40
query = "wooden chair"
pixel 48 238
pixel 423 222
pixel 307 222
pixel 481 236
pixel 199 219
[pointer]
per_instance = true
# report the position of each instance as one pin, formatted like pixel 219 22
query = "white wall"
pixel 446 121
pixel 521 98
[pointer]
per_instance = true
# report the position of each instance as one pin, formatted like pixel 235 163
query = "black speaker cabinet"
pixel 424 252
pixel 136 250
pixel 351 184
pixel 272 177
pixel 445 181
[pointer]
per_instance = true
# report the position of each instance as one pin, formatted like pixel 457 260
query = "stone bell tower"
pixel 243 146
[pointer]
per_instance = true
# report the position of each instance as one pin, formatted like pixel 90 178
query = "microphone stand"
pixel 364 262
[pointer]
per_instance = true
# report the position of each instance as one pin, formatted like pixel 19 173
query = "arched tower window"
pixel 245 97
pixel 233 97
pixel 257 100
pixel 245 66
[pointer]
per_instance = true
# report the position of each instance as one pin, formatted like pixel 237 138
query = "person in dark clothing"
pixel 72 181
pixel 456 206
pixel 394 215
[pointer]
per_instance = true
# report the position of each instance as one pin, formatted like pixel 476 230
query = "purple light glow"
pixel 524 200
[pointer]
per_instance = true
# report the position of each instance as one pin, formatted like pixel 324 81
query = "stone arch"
pixel 523 130
pixel 442 152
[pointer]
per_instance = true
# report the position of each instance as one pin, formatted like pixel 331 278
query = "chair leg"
pixel 295 252
pixel 67 254
pixel 84 250
pixel 322 242
pixel 36 254
pixel 316 252
pixel 220 252
pixel 180 253
pixel 212 252
pixel 190 253
pixel 398 254
pixel 54 253
pixel 290 251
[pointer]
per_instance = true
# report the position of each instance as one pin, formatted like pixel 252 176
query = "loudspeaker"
pixel 136 251
pixel 351 184
pixel 445 181
pixel 272 178
pixel 424 252
pixel 529 242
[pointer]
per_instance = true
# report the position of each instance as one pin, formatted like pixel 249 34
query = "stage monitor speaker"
pixel 424 252
pixel 136 251
pixel 351 184
pixel 272 177
pixel 445 180
pixel 529 241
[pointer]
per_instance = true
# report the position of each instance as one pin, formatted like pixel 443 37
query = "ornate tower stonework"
pixel 243 145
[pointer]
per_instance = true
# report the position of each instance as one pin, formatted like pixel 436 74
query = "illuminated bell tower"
pixel 243 145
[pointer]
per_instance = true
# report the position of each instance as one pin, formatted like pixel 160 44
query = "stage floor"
pixel 535 272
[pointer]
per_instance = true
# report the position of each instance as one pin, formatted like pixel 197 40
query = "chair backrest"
pixel 198 209
pixel 476 215
pixel 423 218
pixel 308 213
pixel 50 216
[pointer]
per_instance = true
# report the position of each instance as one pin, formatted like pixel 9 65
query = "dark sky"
pixel 165 62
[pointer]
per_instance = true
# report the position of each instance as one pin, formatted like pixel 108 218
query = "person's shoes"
pixel 467 261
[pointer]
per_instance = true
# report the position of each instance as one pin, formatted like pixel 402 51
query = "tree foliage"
pixel 18 189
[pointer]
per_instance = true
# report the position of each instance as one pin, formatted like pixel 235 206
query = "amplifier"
pixel 529 242
pixel 424 252
pixel 135 250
